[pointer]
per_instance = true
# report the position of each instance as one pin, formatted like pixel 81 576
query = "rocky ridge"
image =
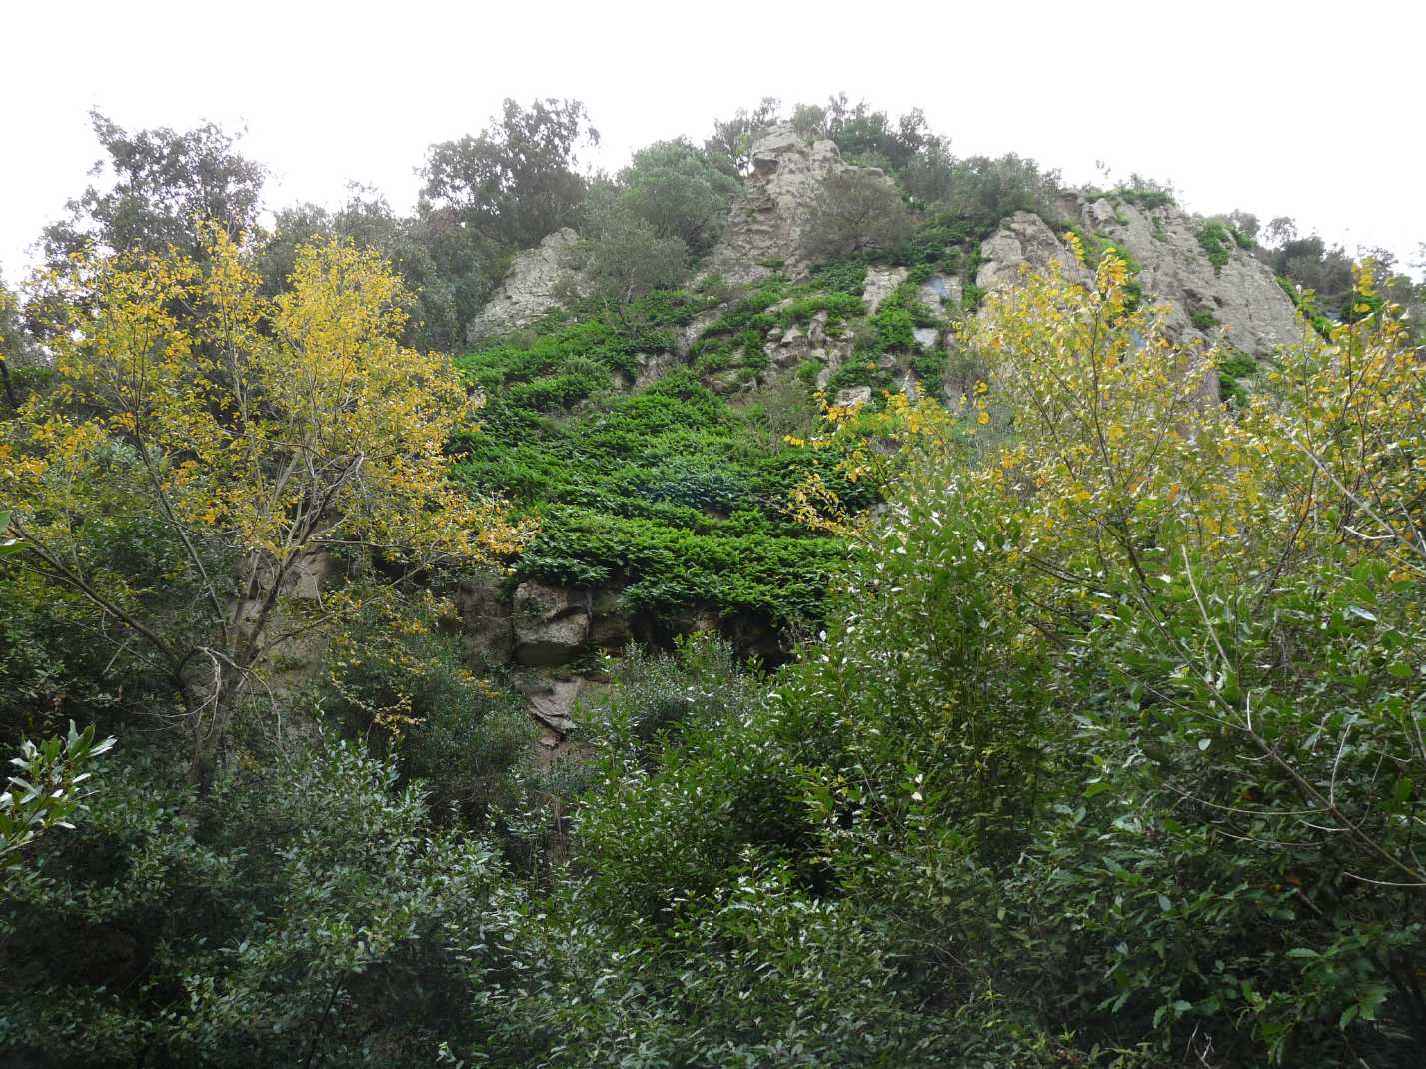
pixel 545 632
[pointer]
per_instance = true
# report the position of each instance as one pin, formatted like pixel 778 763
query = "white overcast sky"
pixel 1307 109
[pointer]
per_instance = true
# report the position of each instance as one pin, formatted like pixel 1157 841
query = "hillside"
pixel 804 599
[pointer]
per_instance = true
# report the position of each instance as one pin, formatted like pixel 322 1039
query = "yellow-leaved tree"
pixel 204 445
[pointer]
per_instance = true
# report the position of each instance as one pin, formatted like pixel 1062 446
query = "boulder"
pixel 538 281
pixel 551 623
pixel 881 282
pixel 941 294
pixel 551 701
pixel 853 395
pixel 309 572
pixel 926 337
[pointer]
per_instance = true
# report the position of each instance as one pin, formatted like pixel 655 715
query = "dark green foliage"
pixel 396 680
pixel 1310 263
pixel 781 579
pixel 855 211
pixel 847 277
pixel 1202 319
pixel 1218 238
pixel 1145 193
pixel 984 191
pixel 623 254
pixel 1232 370
pixel 448 274
pixel 871 137
pixel 667 490
pixel 303 914
pixel 677 190
pixel 730 147
pixel 1306 304
pixel 163 180
pixel 516 181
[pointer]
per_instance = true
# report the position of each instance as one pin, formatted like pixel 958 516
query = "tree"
pixel 855 211
pixel 871 137
pixel 985 190
pixel 163 180
pixel 516 181
pixel 446 271
pixel 621 254
pixel 15 346
pixel 676 190
pixel 730 147
pixel 240 437
pixel 1234 595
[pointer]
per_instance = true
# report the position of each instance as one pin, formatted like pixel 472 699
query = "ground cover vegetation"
pixel 1093 734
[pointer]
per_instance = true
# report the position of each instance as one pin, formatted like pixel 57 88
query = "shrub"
pixel 854 211
pixel 396 681
pixel 303 913
pixel 673 186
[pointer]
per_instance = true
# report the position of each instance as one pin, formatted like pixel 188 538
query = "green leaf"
pixel 1303 952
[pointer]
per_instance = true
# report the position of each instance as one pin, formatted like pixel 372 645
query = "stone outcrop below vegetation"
pixel 539 279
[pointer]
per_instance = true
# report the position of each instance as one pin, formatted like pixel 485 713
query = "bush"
pixel 396 681
pixel 855 211
pixel 303 914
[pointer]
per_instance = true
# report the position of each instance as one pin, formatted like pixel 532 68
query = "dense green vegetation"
pixel 1072 722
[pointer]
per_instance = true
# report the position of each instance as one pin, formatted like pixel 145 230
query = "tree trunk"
pixel 217 696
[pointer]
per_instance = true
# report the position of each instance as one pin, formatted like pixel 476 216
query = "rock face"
pixel 485 618
pixel 552 623
pixel 881 282
pixel 537 280
pixel 788 347
pixel 942 295
pixel 1024 238
pixel 551 701
pixel 767 221
pixel 1240 304
pixel 1251 310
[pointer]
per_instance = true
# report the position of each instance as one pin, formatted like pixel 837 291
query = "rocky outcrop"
pixel 786 347
pixel 853 396
pixel 538 281
pixel 551 700
pixel 766 225
pixel 942 295
pixel 1023 239
pixel 1248 309
pixel 1239 303
pixel 881 283
pixel 552 623
pixel 486 619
